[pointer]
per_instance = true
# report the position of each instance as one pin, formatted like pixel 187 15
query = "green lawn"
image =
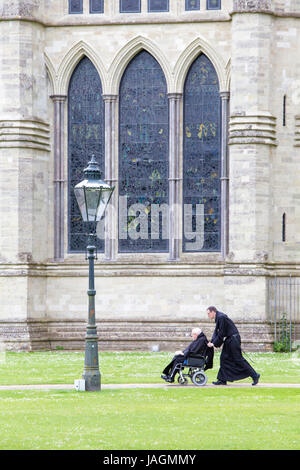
pixel 151 419
pixel 60 367
pixel 171 418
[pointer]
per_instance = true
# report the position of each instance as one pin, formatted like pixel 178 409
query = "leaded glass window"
pixel 75 6
pixel 96 6
pixel 85 137
pixel 130 6
pixel 213 5
pixel 158 5
pixel 201 158
pixel 192 5
pixel 143 157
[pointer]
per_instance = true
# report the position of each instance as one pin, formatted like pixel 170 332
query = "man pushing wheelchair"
pixel 197 355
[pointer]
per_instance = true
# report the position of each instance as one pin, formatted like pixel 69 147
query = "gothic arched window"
pixel 85 137
pixel 143 157
pixel 202 158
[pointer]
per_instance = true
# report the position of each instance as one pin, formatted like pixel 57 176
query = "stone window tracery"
pixel 143 154
pixel 134 6
pixel 144 162
pixel 201 158
pixel 85 137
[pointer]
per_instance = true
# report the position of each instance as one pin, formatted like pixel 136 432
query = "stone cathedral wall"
pixel 145 299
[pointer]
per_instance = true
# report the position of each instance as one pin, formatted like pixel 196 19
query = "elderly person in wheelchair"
pixel 197 356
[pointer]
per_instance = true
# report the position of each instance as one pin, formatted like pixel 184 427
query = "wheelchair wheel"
pixel 182 380
pixel 199 379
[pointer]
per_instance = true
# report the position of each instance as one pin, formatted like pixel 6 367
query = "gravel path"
pixel 122 386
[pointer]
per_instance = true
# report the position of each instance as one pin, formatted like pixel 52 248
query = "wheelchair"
pixel 196 364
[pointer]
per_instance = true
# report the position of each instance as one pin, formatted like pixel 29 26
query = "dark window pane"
pixel 143 155
pixel 96 6
pixel 213 4
pixel 201 158
pixel 75 6
pixel 130 6
pixel 192 4
pixel 85 137
pixel 158 5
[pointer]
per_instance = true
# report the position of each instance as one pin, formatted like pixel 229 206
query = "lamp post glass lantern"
pixel 92 195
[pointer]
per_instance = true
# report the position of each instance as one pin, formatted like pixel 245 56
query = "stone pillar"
pixel 252 132
pixel 111 217
pixel 59 180
pixel 224 174
pixel 174 174
pixel 252 137
pixel 24 165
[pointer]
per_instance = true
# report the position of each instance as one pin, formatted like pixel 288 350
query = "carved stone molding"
pixel 297 131
pixel 59 179
pixel 225 96
pixel 174 174
pixel 25 134
pixel 252 6
pixel 23 8
pixel 252 129
pixel 110 173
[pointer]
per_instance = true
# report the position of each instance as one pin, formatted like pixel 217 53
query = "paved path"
pixel 163 385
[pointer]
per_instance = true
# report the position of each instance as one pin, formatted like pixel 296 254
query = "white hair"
pixel 196 331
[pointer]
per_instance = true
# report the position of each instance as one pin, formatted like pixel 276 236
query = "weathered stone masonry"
pixel 146 299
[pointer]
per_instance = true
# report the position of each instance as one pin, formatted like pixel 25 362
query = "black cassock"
pixel 198 346
pixel 233 366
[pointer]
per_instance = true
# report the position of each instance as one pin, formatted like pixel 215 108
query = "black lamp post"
pixel 92 196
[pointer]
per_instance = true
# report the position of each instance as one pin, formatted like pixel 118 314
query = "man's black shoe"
pixel 255 379
pixel 220 382
pixel 165 377
pixel 170 379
